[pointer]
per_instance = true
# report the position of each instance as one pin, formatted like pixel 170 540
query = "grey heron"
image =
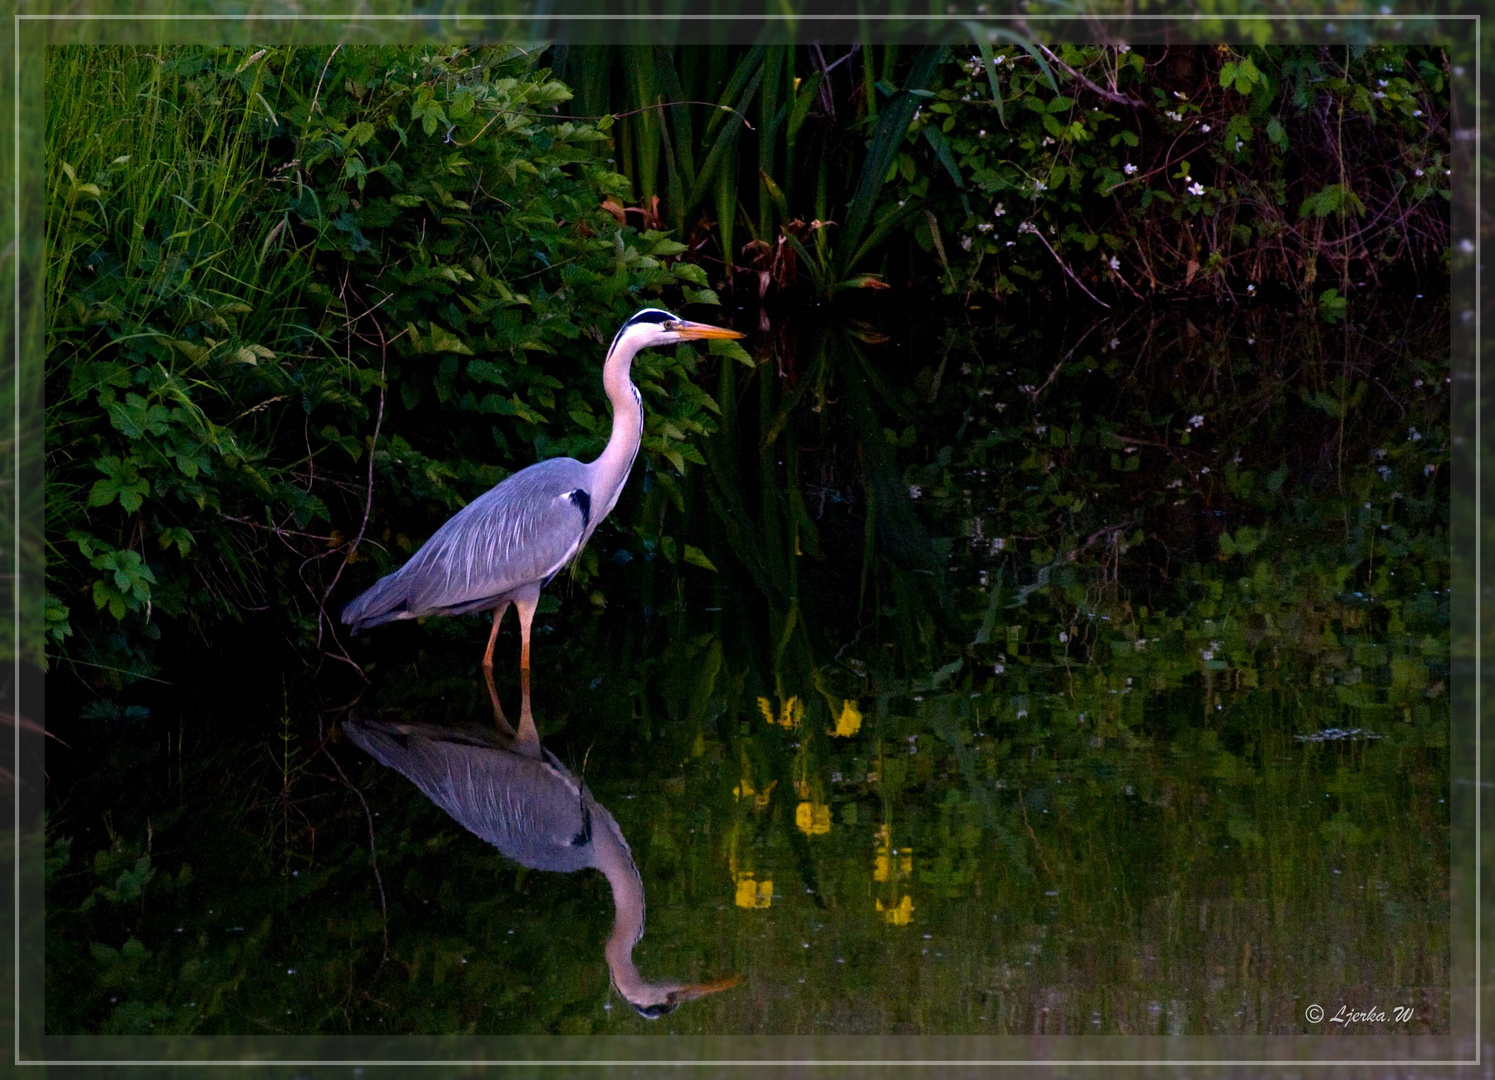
pixel 504 546
pixel 518 797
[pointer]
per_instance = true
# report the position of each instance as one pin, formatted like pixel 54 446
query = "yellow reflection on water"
pixel 812 819
pixel 788 716
pixel 752 893
pixel 900 913
pixel 849 722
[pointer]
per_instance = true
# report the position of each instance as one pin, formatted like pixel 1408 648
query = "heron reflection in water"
pixel 512 792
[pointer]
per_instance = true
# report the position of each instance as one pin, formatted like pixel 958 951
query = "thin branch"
pixel 1100 91
pixel 1030 227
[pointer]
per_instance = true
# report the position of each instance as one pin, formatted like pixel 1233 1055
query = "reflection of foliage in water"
pixel 1044 712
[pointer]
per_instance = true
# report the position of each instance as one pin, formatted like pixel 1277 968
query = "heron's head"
pixel 653 1000
pixel 654 327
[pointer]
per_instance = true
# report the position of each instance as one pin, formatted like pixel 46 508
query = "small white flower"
pixel 1203 127
pixel 1171 115
pixel 1413 435
pixel 985 226
pixel 1238 145
pixel 1380 82
pixel 1379 94
pixel 1180 96
pixel 1385 471
pixel 1204 470
pixel 965 243
pixel 1115 264
pixel 1010 243
pixel 1416 172
pixel 999 211
pixel 1416 112
pixel 1196 189
pixel 1179 482
pixel 1039 185
pixel 1048 140
pixel 1129 168
pixel 1063 637
pixel 1196 421
pixel 1123 48
pixel 915 491
pixel 1115 343
pixel 1251 288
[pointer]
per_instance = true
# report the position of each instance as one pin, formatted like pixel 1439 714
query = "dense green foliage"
pixel 240 277
pixel 1221 171
pixel 1010 166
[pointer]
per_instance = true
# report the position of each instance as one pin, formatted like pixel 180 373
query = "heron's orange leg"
pixel 528 736
pixel 498 617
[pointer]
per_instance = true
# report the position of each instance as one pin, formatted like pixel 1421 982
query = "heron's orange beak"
pixel 692 331
pixel 698 990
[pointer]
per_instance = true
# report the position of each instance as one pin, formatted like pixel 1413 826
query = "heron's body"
pixel 518 797
pixel 514 537
pixel 504 546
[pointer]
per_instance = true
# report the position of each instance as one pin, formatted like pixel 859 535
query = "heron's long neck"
pixel 610 470
pixel 616 862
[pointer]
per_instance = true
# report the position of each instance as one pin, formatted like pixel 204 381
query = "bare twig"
pixel 1101 91
pixel 1028 226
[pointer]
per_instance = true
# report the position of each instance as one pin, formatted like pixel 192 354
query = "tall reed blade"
pixel 892 126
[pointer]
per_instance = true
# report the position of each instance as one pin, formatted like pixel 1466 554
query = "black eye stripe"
pixel 653 315
pixel 658 316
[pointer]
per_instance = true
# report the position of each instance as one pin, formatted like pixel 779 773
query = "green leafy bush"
pixel 262 263
pixel 1220 171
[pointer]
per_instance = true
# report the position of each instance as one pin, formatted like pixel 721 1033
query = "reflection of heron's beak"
pixel 690 993
pixel 691 331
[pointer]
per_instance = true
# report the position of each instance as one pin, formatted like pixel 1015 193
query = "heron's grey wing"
pixel 519 533
pixel 528 809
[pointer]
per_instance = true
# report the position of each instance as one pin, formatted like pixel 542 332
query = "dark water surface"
pixel 1039 679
